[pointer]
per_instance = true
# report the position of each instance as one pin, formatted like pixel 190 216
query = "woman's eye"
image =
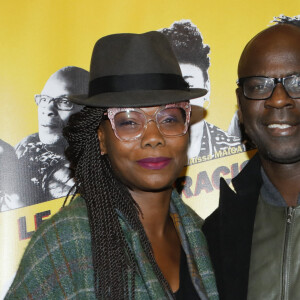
pixel 125 123
pixel 169 120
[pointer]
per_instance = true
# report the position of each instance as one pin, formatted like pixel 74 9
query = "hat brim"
pixel 137 98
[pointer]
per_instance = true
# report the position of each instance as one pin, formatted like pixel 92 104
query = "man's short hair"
pixel 187 44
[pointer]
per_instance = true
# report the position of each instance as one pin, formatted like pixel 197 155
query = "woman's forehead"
pixel 182 104
pixel 148 110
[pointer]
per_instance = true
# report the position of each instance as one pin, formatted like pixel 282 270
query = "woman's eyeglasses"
pixel 130 124
pixel 61 103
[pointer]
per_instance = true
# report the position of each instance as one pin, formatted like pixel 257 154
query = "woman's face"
pixel 151 163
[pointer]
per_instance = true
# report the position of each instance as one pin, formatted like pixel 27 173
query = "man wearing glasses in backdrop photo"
pixel 43 152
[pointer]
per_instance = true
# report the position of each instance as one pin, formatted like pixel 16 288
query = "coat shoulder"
pixel 57 261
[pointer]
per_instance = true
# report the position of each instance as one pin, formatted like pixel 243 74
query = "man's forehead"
pixel 55 87
pixel 275 50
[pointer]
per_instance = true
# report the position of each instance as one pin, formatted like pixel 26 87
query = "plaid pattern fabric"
pixel 57 263
pixel 188 225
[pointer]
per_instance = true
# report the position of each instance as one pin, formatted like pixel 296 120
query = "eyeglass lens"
pixel 260 88
pixel 131 124
pixel 62 103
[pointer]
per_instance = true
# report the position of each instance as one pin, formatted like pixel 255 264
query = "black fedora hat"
pixel 135 70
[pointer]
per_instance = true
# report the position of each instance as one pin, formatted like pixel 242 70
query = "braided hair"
pixel 113 261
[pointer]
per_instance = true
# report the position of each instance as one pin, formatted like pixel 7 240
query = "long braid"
pixel 113 262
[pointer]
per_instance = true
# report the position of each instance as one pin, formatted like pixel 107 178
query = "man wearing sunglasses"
pixel 43 152
pixel 254 235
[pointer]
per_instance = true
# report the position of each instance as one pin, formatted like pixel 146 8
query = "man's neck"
pixel 286 178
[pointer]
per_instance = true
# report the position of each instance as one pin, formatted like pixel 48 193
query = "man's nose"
pixel 50 108
pixel 279 98
pixel 152 136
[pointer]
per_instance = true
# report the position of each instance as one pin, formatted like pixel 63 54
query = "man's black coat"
pixel 229 231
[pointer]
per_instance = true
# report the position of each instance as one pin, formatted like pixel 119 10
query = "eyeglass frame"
pixel 275 80
pixel 54 100
pixel 111 112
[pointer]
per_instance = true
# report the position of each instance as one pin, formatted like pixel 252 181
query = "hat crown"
pixel 135 70
pixel 125 54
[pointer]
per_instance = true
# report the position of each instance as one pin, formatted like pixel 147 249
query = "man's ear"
pixel 102 140
pixel 37 99
pixel 238 93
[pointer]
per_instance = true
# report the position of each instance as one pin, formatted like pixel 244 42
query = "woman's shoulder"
pixel 67 225
pixel 63 222
pixel 58 251
pixel 75 210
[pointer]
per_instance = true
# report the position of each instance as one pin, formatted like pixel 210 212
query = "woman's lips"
pixel 154 163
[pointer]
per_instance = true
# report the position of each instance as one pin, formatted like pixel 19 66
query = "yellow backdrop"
pixel 38 37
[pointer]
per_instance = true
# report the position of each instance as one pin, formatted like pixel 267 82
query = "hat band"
pixel 151 81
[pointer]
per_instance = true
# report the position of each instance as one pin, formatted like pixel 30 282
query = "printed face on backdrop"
pixel 273 124
pixel 196 79
pixel 193 57
pixel 54 109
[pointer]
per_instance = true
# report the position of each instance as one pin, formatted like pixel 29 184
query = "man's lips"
pixel 51 125
pixel 282 128
pixel 154 163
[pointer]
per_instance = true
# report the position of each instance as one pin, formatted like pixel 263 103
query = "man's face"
pixel 272 124
pixel 53 115
pixel 194 77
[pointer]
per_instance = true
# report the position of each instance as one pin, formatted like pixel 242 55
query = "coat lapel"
pixel 236 225
pixel 229 231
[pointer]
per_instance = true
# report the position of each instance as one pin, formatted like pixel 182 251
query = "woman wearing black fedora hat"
pixel 128 235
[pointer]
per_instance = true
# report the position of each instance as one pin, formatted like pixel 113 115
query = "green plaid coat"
pixel 57 263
